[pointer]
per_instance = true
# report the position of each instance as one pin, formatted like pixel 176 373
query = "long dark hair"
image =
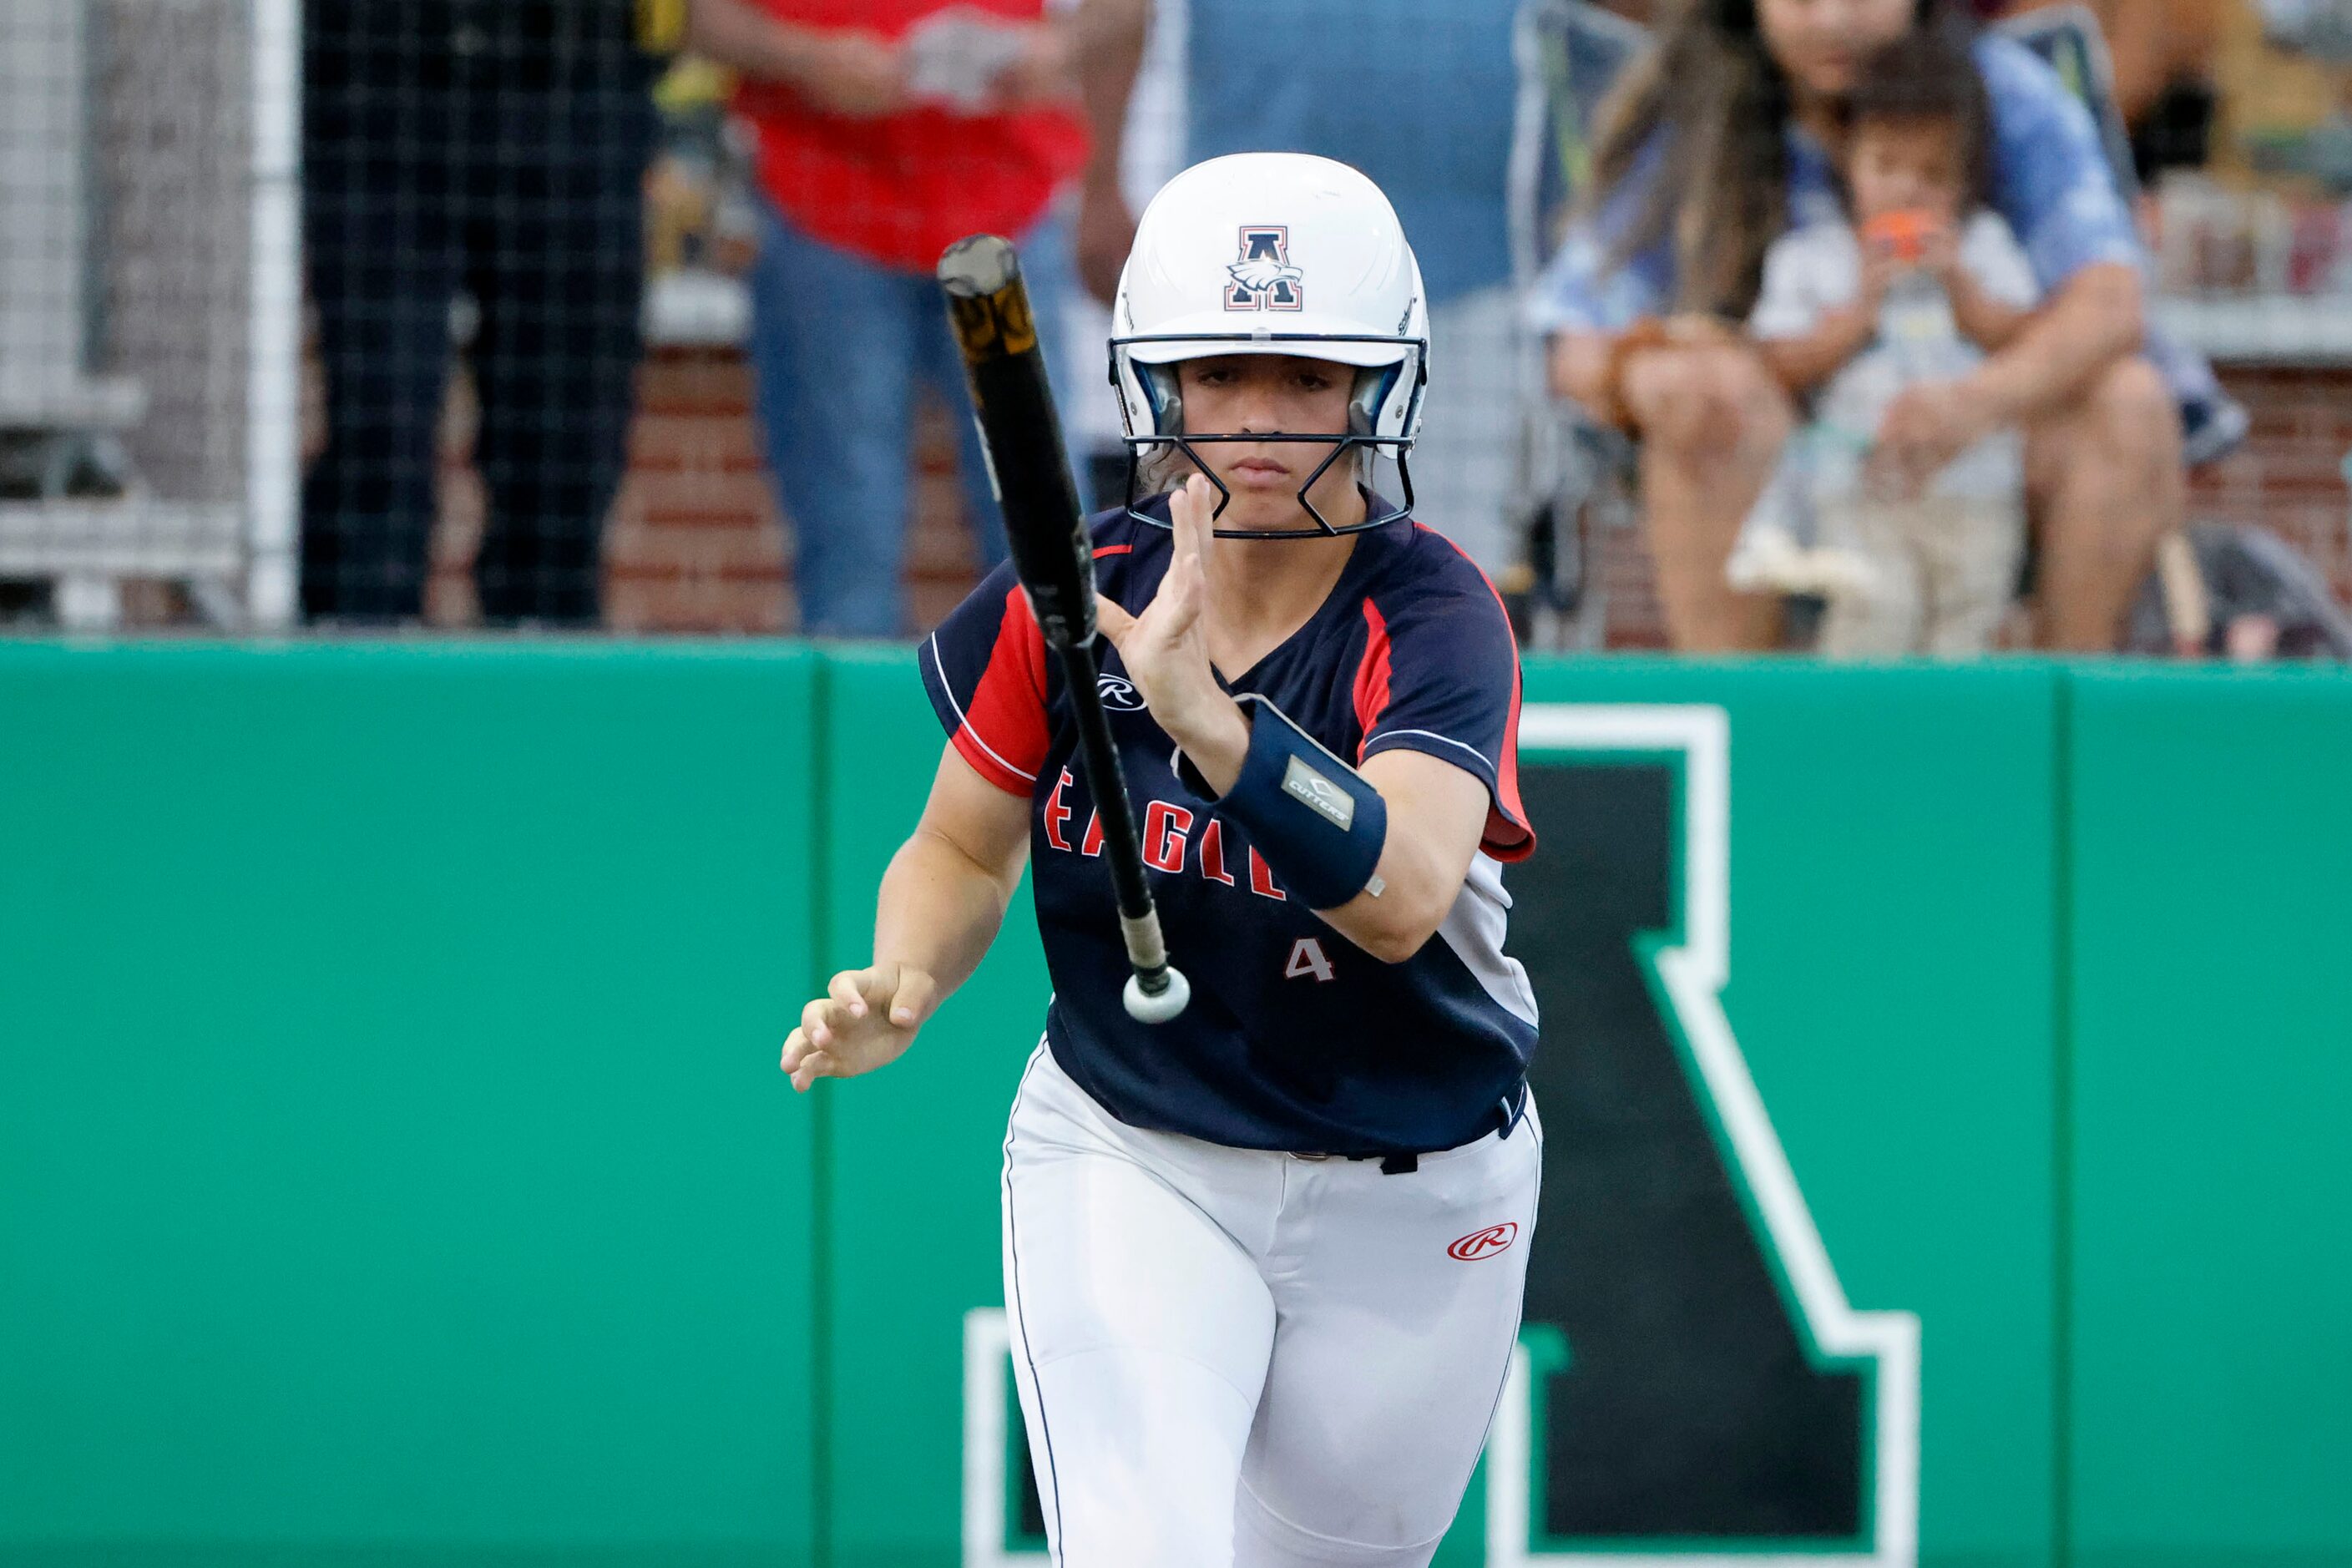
pixel 1719 101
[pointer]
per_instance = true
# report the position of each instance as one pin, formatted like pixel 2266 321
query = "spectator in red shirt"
pixel 886 129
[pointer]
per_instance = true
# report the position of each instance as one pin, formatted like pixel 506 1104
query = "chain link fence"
pixel 435 312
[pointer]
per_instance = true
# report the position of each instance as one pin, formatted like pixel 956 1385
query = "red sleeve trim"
pixel 1372 676
pixel 988 766
pixel 1508 838
pixel 1002 733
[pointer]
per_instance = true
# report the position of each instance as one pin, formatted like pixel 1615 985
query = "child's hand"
pixel 1928 425
pixel 1939 257
pixel 1692 330
pixel 1880 268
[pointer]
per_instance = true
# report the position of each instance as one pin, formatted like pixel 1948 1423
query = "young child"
pixel 1920 287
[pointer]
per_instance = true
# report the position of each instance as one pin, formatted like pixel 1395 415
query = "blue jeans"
pixel 838 344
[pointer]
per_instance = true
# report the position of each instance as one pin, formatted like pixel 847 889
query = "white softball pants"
pixel 1227 1356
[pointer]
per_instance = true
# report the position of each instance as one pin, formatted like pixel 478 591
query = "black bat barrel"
pixel 1022 435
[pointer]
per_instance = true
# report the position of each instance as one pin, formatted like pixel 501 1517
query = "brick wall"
pixel 2289 476
pixel 698 542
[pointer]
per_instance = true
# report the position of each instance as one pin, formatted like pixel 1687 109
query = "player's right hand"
pixel 1166 648
pixel 865 1019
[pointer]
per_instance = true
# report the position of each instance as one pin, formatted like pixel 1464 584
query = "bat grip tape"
pixel 1318 822
pixel 1145 947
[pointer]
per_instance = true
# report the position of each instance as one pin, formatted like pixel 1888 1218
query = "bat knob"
pixel 978 265
pixel 1145 1008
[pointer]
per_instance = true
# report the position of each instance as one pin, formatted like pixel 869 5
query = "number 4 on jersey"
pixel 1308 958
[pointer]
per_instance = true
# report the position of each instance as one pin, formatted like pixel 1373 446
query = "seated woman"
pixel 1725 137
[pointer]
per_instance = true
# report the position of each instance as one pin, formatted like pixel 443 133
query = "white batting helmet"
pixel 1273 253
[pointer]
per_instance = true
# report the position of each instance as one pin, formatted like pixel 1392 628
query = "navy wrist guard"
pixel 1311 817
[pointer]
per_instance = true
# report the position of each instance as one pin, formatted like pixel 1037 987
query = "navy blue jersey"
pixel 1296 1038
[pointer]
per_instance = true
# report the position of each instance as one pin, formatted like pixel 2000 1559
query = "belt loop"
pixel 1514 1108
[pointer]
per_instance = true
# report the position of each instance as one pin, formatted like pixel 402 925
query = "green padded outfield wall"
pixel 2211 960
pixel 393 1166
pixel 1892 938
pixel 393 1163
pixel 913 1239
pixel 1889 926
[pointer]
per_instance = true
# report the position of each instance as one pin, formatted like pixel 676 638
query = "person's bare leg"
pixel 1712 422
pixel 2107 474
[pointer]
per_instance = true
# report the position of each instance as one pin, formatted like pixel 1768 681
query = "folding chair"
pixel 1575 480
pixel 2070 39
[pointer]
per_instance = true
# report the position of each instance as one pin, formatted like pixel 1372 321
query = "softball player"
pixel 1262 1263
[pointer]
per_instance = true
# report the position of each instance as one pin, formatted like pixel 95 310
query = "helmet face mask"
pixel 1212 276
pixel 1374 386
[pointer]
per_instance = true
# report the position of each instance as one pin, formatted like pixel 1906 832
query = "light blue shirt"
pixel 1416 93
pixel 2051 183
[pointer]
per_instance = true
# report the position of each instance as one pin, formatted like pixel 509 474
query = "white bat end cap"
pixel 1145 1008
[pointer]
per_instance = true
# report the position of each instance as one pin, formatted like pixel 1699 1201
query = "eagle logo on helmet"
pixel 1263 278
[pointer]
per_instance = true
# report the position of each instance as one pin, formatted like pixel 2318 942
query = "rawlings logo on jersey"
pixel 1119 694
pixel 1263 278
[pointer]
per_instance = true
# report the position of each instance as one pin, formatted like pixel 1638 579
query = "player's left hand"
pixel 1166 649
pixel 1925 428
pixel 865 1019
